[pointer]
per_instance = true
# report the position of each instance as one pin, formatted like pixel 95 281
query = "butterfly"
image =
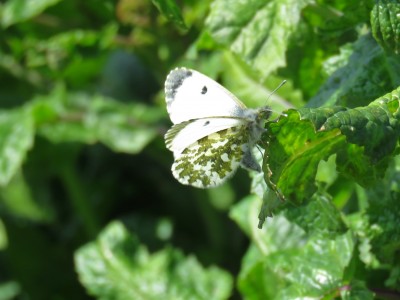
pixel 213 133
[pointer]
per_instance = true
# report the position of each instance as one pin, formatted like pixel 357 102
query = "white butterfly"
pixel 213 132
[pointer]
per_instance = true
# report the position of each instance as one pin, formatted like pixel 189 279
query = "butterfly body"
pixel 213 132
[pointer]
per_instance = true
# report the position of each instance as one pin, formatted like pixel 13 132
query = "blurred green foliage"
pixel 88 206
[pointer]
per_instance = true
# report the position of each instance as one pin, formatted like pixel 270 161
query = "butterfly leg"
pixel 250 162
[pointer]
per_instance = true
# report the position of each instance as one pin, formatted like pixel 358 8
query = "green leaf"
pixel 337 17
pixel 394 279
pixel 9 290
pixel 171 11
pixel 377 226
pixel 58 47
pixel 3 237
pixel 16 138
pixel 385 24
pixel 285 263
pixel 244 83
pixel 359 74
pixel 15 11
pixel 17 199
pixel 357 290
pixel 363 138
pixel 359 225
pixel 116 266
pixel 283 234
pixel 319 215
pixel 63 117
pixel 258 31
pixel 294 152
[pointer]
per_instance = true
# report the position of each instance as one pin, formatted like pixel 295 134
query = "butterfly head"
pixel 263 114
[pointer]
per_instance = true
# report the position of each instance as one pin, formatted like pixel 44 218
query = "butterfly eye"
pixel 204 90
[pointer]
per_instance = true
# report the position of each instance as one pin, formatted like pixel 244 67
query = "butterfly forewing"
pixel 192 95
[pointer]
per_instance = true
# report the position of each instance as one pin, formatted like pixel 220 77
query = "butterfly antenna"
pixel 277 88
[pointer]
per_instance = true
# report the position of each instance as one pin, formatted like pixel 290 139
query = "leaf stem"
pixel 79 201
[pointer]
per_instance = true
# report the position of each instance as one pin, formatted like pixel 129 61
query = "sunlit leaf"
pixel 15 11
pixel 16 138
pixel 257 30
pixel 285 263
pixel 9 290
pixel 363 138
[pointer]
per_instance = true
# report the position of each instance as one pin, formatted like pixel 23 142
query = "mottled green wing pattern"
pixel 213 159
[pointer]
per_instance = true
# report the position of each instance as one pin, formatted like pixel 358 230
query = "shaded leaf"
pixel 17 200
pixel 3 237
pixel 88 119
pixel 171 11
pixel 337 17
pixel 116 266
pixel 59 47
pixel 359 74
pixel 377 226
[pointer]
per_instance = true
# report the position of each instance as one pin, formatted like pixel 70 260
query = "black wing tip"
pixel 174 80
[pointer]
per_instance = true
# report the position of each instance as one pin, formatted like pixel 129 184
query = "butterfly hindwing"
pixel 185 134
pixel 211 160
